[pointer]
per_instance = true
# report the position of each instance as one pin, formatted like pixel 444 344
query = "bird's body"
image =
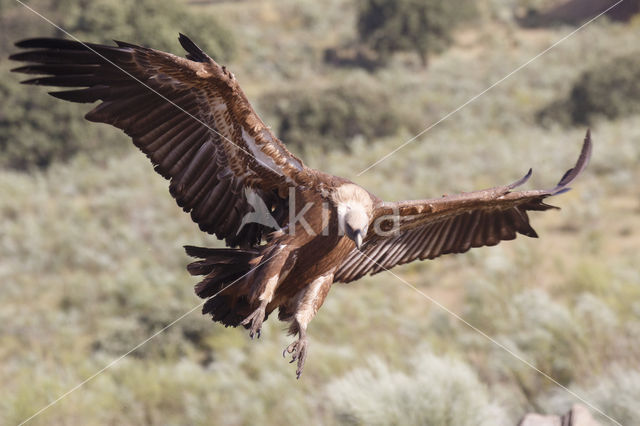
pixel 295 269
pixel 291 231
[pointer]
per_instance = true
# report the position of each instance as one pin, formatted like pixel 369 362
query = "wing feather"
pixel 442 238
pixel 189 116
pixel 452 224
pixel 454 234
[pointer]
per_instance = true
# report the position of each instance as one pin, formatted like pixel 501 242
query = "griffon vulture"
pixel 291 231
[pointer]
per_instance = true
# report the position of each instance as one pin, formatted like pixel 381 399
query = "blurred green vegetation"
pixel 91 262
pixel 148 22
pixel 610 90
pixel 332 117
pixel 36 132
pixel 422 26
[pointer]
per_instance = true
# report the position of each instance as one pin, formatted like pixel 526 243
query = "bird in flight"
pixel 290 231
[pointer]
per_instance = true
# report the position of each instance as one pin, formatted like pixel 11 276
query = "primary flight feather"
pixel 291 231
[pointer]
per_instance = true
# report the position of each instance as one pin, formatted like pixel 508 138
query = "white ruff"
pixel 354 206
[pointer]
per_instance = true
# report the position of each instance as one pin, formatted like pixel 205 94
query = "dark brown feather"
pixel 454 224
pixel 134 84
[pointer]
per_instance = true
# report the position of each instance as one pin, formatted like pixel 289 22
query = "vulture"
pixel 290 231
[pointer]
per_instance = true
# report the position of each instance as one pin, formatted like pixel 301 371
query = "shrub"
pixel 615 392
pixel 37 130
pixel 545 13
pixel 611 90
pixel 331 117
pixel 150 23
pixel 146 22
pixel 438 391
pixel 424 26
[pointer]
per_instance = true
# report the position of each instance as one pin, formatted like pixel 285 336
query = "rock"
pixel 540 420
pixel 579 415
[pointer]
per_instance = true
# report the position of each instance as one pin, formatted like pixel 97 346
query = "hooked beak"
pixel 358 239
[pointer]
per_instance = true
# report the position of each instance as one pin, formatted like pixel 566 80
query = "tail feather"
pixel 212 265
pixel 218 280
pixel 227 310
pixel 221 253
pixel 223 271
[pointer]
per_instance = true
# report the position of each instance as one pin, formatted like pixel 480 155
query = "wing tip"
pixel 21 44
pixel 581 164
pixel 31 81
pixel 29 43
pixel 124 44
pixel 24 69
pixel 50 43
pixel 522 180
pixel 194 52
pixel 528 175
pixel 19 57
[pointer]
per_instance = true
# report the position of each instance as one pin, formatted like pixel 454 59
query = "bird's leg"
pixel 269 276
pixel 256 318
pixel 306 305
pixel 298 348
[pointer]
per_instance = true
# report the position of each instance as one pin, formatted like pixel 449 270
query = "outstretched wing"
pixel 189 116
pixel 425 229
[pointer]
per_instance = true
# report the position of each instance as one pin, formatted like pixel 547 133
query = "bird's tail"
pixel 224 283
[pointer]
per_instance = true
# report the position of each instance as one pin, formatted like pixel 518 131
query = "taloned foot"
pixel 298 349
pixel 256 318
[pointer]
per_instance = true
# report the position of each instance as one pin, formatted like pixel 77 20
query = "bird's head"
pixel 354 211
pixel 356 223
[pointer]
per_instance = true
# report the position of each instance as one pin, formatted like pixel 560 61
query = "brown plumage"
pixel 291 231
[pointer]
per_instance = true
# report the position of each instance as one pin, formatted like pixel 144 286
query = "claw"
pixel 298 349
pixel 256 318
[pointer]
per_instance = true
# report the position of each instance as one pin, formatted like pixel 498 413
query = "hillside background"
pixel 91 258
